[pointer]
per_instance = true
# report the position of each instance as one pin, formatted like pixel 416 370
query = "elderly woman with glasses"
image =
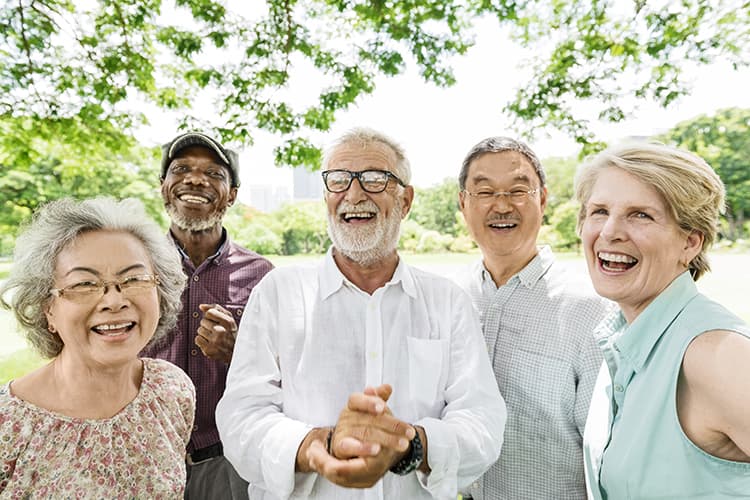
pixel 669 417
pixel 93 282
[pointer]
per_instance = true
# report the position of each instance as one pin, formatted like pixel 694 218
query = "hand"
pixel 367 424
pixel 216 333
pixel 367 442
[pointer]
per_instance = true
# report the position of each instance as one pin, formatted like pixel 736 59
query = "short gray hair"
pixel 364 137
pixel 692 191
pixel 500 144
pixel 55 226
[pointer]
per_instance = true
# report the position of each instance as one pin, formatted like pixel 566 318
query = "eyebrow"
pixel 483 178
pixel 95 272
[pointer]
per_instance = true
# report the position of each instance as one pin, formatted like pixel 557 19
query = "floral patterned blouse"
pixel 138 453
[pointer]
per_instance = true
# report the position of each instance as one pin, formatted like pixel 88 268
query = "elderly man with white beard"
pixel 360 377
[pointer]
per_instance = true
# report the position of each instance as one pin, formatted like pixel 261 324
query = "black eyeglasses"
pixel 372 181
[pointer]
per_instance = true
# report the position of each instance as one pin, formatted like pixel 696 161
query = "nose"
pixel 112 298
pixel 501 203
pixel 355 193
pixel 194 177
pixel 611 229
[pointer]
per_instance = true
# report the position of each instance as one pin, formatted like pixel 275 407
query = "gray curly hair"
pixel 51 230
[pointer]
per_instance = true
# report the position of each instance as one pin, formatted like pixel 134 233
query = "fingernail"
pixel 375 449
pixel 403 443
pixel 379 407
pixel 410 432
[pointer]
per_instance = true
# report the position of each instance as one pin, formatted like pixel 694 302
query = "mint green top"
pixel 634 446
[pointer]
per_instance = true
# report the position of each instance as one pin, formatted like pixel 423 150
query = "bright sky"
pixel 437 126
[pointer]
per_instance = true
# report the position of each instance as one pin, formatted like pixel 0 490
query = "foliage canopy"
pixel 98 62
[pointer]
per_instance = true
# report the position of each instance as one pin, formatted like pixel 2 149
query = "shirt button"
pixel 195 427
pixel 196 278
pixel 373 354
pixel 618 387
pixel 194 352
pixel 238 312
pixel 195 314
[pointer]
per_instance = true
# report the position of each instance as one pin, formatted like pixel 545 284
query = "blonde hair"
pixel 693 192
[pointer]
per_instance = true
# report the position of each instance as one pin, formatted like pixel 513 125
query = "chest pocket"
pixel 428 372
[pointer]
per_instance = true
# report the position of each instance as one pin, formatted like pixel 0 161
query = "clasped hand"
pixel 368 440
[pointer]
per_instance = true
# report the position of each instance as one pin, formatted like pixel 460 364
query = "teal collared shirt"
pixel 634 446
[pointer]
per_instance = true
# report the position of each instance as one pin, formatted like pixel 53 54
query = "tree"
pixel 37 166
pixel 95 61
pixel 723 140
pixel 303 226
pixel 435 207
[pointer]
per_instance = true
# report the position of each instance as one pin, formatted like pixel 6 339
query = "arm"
pixel 713 394
pixel 466 440
pixel 216 333
pixel 259 439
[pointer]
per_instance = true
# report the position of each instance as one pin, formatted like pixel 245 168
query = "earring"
pixel 51 329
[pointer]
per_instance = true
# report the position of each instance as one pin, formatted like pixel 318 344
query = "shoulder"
pixel 241 255
pixel 438 289
pixel 717 354
pixel 161 375
pixel 572 287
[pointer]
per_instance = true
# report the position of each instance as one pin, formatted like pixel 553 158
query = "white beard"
pixel 367 244
pixel 191 224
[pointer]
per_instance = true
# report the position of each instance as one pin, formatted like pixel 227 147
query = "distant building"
pixel 267 197
pixel 307 185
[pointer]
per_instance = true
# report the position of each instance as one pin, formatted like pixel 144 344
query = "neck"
pixel 367 278
pixel 198 245
pixel 504 267
pixel 87 390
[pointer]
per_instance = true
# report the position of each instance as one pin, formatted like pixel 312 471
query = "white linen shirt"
pixel 309 338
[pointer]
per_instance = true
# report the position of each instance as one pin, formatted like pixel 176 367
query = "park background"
pixel 88 91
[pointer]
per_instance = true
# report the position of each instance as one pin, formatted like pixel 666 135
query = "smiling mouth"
pixel 357 216
pixel 616 262
pixel 113 329
pixel 193 199
pixel 503 225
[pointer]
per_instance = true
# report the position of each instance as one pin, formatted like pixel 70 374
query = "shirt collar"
pixel 332 279
pixel 220 254
pixel 530 274
pixel 641 337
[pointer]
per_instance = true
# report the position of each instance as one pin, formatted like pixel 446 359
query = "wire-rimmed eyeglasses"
pixel 372 181
pixel 516 196
pixel 90 290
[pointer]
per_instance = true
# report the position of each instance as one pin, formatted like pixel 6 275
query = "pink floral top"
pixel 138 453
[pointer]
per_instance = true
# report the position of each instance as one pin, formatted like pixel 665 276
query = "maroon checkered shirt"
pixel 226 278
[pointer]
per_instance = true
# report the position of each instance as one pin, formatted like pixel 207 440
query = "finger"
pixel 202 344
pixel 215 312
pixel 397 440
pixel 362 402
pixel 348 447
pixel 205 333
pixel 341 472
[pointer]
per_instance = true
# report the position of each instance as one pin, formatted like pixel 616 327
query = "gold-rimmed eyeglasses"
pixel 516 196
pixel 91 290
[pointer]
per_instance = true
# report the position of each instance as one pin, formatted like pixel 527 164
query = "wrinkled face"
pixel 365 226
pixel 197 189
pixel 634 247
pixel 503 227
pixel 111 329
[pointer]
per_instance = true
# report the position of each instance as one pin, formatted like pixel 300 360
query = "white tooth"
pixel 112 327
pixel 616 257
pixel 193 199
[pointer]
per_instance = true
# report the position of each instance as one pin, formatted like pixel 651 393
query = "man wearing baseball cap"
pixel 199 181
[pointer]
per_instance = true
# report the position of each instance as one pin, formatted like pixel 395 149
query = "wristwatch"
pixel 413 458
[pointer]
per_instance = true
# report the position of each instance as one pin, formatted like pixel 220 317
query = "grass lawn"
pixel 728 283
